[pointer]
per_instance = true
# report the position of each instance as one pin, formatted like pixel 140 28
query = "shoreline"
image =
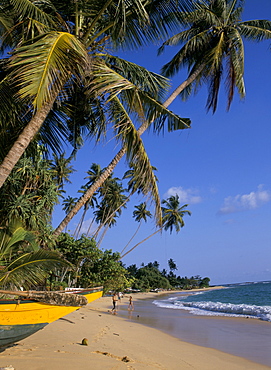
pixel 243 337
pixel 114 342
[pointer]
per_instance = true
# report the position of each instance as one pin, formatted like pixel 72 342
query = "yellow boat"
pixel 22 318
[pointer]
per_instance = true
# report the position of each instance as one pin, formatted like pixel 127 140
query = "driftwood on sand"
pixel 53 298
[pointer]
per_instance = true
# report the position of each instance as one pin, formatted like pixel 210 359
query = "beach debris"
pixel 116 334
pixel 125 359
pixel 85 342
pixel 10 367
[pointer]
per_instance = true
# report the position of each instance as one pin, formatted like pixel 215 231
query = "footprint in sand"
pixel 101 334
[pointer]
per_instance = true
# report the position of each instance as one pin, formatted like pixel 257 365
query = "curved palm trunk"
pixel 102 236
pixel 89 193
pixel 142 241
pixel 89 227
pixel 80 224
pixel 24 140
pixel 132 237
pixel 99 228
pixel 183 85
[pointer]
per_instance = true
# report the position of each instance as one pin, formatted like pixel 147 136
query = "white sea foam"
pixel 219 309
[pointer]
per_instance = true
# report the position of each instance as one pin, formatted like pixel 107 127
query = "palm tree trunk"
pixel 24 140
pixel 183 85
pixel 131 238
pixel 142 241
pixel 89 193
pixel 89 228
pixel 102 236
pixel 80 224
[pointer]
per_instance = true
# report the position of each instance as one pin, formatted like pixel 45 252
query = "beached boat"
pixel 20 318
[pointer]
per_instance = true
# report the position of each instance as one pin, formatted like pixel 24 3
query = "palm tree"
pixel 173 215
pixel 172 265
pixel 90 203
pixel 211 40
pixel 62 169
pixel 140 214
pixel 113 200
pixel 108 76
pixel 93 173
pixel 68 203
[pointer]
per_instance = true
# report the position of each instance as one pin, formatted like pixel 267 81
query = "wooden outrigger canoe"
pixel 22 318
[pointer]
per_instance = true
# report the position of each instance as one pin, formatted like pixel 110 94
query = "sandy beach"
pixel 114 342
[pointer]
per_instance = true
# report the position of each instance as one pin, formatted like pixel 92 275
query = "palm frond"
pixel 255 30
pixel 35 10
pixel 13 236
pixel 150 82
pixel 31 269
pixel 111 84
pixel 136 153
pixel 41 67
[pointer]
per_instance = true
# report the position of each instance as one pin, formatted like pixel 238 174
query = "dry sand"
pixel 113 343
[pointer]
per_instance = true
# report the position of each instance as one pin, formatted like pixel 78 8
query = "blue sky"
pixel 221 167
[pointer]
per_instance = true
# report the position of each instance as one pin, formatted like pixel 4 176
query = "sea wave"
pixel 219 309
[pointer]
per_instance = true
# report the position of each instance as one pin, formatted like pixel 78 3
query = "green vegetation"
pixel 149 277
pixel 94 267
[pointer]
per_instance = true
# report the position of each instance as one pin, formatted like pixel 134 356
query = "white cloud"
pixel 245 202
pixel 188 196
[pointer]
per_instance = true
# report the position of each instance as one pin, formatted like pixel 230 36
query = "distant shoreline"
pixel 141 295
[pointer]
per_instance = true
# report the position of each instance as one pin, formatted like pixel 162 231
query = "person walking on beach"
pixel 114 301
pixel 131 304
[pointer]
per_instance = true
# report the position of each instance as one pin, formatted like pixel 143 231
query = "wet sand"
pixel 248 338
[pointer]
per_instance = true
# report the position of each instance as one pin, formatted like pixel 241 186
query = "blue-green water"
pixel 243 300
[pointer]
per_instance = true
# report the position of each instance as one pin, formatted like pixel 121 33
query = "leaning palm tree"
pixel 211 40
pixel 173 215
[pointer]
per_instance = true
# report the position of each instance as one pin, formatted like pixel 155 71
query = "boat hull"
pixel 10 334
pixel 22 318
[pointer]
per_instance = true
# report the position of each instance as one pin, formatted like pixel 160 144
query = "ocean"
pixel 235 319
pixel 249 300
